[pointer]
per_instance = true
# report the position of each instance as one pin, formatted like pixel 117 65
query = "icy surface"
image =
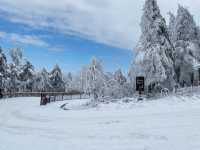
pixel 171 123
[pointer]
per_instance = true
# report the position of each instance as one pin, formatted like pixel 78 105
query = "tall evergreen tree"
pixel 154 58
pixel 26 76
pixel 172 22
pixel 187 45
pixel 16 55
pixel 3 71
pixel 15 68
pixel 56 79
pixel 3 62
pixel 14 82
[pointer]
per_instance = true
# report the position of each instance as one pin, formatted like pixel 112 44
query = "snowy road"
pixel 169 124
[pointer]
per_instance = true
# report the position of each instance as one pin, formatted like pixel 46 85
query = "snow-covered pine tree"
pixel 42 82
pixel 3 62
pixel 68 82
pixel 16 55
pixel 26 76
pixel 154 52
pixel 172 22
pixel 187 46
pixel 56 79
pixel 198 31
pixel 14 82
pixel 4 80
pixel 15 69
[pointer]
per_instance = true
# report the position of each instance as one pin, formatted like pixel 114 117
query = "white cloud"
pixel 2 34
pixel 113 22
pixel 23 39
pixel 56 49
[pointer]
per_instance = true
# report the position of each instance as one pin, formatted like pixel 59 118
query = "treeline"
pixel 20 76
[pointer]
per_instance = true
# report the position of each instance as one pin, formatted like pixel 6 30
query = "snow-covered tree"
pixel 16 55
pixel 198 31
pixel 84 80
pixel 187 46
pixel 95 78
pixel 123 85
pixel 132 77
pixel 68 82
pixel 172 22
pixel 117 85
pixel 14 85
pixel 154 52
pixel 119 77
pixel 56 79
pixel 26 76
pixel 42 82
pixel 69 76
pixel 3 71
pixel 185 26
pixel 3 62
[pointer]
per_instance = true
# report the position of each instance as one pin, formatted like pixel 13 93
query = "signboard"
pixel 199 73
pixel 1 95
pixel 140 84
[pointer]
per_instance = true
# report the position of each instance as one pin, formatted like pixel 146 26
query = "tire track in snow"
pixel 14 119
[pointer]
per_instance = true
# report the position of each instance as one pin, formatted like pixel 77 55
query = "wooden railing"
pixel 48 97
pixel 63 95
pixel 38 94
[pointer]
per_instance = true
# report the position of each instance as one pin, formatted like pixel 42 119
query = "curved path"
pixel 172 123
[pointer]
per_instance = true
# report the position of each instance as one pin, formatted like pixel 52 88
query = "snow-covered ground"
pixel 171 123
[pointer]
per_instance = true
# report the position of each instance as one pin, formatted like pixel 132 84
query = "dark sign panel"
pixel 199 73
pixel 140 84
pixel 1 94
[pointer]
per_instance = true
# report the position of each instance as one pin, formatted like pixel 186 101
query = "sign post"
pixel 140 86
pixel 1 94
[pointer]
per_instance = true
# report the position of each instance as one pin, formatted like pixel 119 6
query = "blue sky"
pixel 69 51
pixel 70 32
